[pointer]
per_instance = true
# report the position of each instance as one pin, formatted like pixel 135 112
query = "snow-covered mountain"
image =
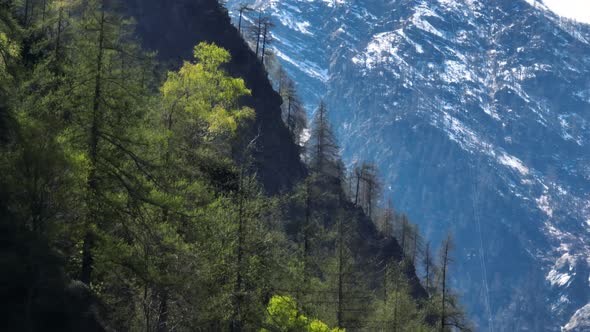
pixel 478 113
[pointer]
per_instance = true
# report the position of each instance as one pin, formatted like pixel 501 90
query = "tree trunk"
pixel 395 304
pixel 444 287
pixel 44 10
pixel 289 114
pixel 58 37
pixel 385 283
pixel 427 267
pixel 26 18
pixel 240 21
pixel 237 319
pixel 403 241
pixel 306 231
pixel 87 260
pixel 163 314
pixel 258 31
pixel 264 35
pixel 369 199
pixel 339 314
pixel 358 185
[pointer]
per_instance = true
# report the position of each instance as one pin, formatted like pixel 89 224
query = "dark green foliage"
pixel 35 291
pixel 132 200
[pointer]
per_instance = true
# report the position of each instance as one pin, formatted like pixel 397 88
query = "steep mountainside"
pixel 119 208
pixel 478 113
pixel 173 29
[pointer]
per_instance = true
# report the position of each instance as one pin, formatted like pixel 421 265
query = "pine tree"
pixel 346 278
pixel 445 261
pixel 145 198
pixel 294 113
pixel 385 221
pixel 323 151
pixel 450 314
pixel 428 262
pixel 397 310
pixel 367 187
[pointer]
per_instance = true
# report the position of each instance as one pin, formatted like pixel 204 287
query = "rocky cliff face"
pixel 478 113
pixel 174 28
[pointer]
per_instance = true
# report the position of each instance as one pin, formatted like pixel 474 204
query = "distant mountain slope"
pixel 478 113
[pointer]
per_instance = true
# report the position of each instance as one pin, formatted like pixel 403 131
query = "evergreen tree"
pixel 429 268
pixel 142 195
pixel 397 310
pixel 367 187
pixel 451 315
pixel 294 113
pixel 323 151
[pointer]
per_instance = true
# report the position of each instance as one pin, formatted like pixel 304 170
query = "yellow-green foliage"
pixel 205 94
pixel 8 49
pixel 283 315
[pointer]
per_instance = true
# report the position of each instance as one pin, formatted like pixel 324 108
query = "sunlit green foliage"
pixel 136 185
pixel 205 94
pixel 283 315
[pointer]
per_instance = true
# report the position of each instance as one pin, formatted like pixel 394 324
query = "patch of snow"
pixel 303 27
pixel 307 67
pixel 563 300
pixel 543 205
pixel 460 133
pixel 456 72
pixel 558 279
pixel 305 135
pixel 537 4
pixel 293 24
pixel 417 46
pixel 580 321
pixel 492 112
pixel 514 163
pixel 566 128
pixel 379 50
pixel 420 22
pixel 333 3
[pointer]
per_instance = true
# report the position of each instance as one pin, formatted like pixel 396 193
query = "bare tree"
pixel 428 266
pixel 267 25
pixel 294 114
pixel 256 31
pixel 243 8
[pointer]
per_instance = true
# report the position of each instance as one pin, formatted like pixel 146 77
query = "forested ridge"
pixel 171 190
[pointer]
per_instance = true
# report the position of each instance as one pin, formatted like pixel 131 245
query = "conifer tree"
pixel 397 310
pixel 451 315
pixel 428 262
pixel 386 220
pixel 141 194
pixel 293 112
pixel 367 187
pixel 323 151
